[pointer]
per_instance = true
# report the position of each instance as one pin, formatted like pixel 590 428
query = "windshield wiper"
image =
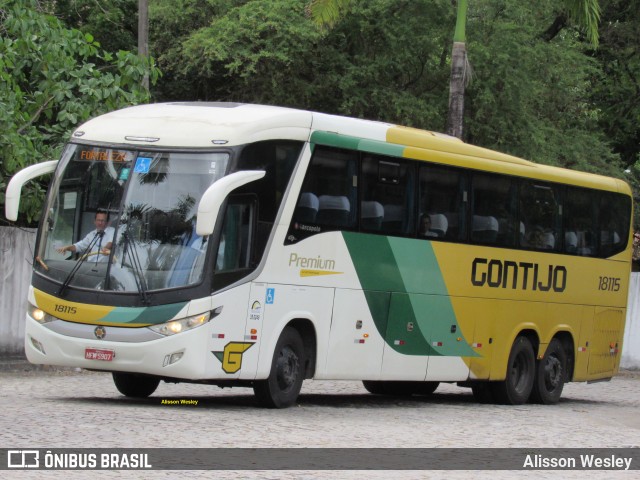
pixel 83 257
pixel 136 266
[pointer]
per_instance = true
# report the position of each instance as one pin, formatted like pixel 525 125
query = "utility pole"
pixel 143 36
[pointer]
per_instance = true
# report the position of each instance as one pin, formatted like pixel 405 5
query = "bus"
pixel 259 246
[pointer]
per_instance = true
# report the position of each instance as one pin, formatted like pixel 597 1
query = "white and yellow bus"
pixel 259 246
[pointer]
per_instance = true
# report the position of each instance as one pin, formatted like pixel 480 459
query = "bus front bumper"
pixel 178 356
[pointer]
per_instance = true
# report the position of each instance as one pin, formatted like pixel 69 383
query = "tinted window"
pixel 441 207
pixel 539 226
pixel 580 209
pixel 493 219
pixel 328 199
pixel 277 158
pixel 387 196
pixel 613 223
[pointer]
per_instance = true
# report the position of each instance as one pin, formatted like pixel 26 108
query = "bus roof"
pixel 209 124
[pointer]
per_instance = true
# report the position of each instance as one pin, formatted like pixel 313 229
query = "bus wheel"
pixel 281 388
pixel 137 386
pixel 550 375
pixel 517 386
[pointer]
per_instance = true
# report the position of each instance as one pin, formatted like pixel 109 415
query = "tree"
pixel 460 73
pixel 617 93
pixel 50 81
pixel 585 12
pixel 533 97
pixel 269 51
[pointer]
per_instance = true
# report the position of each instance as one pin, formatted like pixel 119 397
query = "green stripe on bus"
pixel 355 143
pixel 381 148
pixel 418 317
pixel 146 315
pixel 335 140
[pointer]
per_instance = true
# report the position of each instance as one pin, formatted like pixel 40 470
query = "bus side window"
pixel 613 212
pixel 579 212
pixel 328 198
pixel 539 216
pixel 387 195
pixel 232 258
pixel 493 205
pixel 441 195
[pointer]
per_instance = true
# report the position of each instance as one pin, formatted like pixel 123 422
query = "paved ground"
pixel 48 408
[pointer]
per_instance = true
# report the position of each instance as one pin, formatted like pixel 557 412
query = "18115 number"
pixel 609 284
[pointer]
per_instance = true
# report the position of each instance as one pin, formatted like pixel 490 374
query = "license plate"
pixel 98 354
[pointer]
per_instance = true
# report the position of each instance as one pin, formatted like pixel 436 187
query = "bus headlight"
pixel 181 325
pixel 40 315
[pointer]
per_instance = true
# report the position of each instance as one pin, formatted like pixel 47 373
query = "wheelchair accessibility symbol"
pixel 143 164
pixel 271 292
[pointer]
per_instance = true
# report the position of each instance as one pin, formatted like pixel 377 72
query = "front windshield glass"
pixel 124 220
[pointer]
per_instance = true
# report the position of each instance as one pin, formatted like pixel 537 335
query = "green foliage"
pixel 50 82
pixel 617 92
pixel 585 13
pixel 114 24
pixel 531 97
pixel 385 61
pixel 549 98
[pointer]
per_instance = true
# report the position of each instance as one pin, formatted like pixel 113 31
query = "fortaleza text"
pixel 179 402
pixel 612 462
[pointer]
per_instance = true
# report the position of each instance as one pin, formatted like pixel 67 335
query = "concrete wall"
pixel 631 342
pixel 16 255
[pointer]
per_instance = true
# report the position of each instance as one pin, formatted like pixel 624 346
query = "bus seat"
pixel 570 242
pixel 392 221
pixel 484 229
pixel 333 210
pixel 439 224
pixel 453 226
pixel 371 215
pixel 307 208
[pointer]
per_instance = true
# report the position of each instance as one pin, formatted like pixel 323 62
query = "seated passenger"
pixel 542 239
pixel 425 227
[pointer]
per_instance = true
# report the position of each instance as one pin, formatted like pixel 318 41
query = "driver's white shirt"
pixel 83 244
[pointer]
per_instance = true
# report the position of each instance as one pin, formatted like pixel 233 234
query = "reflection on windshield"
pixel 150 201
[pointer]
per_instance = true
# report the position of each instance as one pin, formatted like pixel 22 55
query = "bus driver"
pixel 102 244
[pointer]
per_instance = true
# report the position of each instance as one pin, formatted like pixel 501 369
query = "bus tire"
pixel 135 386
pixel 516 387
pixel 550 375
pixel 281 388
pixel 402 389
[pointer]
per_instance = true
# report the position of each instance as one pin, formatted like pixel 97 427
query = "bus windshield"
pixel 124 220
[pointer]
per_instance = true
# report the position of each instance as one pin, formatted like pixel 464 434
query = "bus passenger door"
pixel 356 339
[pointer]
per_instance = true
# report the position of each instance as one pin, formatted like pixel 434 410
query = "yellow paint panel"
pixel 71 311
pixel 424 145
pixel 526 275
pixel 316 273
pixel 606 345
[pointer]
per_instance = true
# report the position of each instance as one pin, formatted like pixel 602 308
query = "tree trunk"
pixel 143 36
pixel 456 89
